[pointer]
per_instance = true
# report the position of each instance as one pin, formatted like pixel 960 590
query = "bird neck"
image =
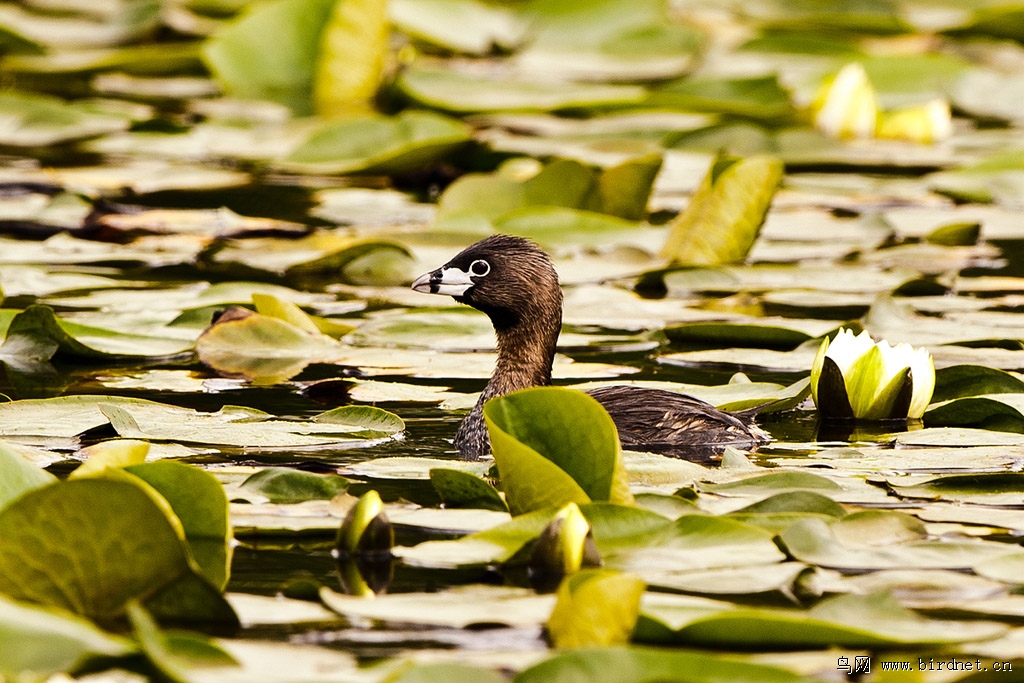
pixel 526 351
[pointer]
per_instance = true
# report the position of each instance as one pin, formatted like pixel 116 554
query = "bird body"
pixel 514 282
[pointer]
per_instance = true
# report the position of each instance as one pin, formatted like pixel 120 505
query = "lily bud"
pixel 366 530
pixel 846 106
pixel 855 378
pixel 565 546
pixel 924 123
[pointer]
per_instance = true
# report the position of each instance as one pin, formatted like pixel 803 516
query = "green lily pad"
pixel 991 488
pixel 813 541
pixel 758 97
pixel 271 52
pixel 141 419
pixel 111 520
pixel 42 121
pixel 460 489
pixel 1001 412
pixel 621 190
pixel 287 485
pixel 19 475
pixel 612 664
pixel 154 59
pixel 540 465
pixel 595 607
pixel 350 61
pixel 175 654
pixel 726 213
pixel 455 92
pixel 39 641
pixel 959 381
pixel 461 607
pixel 739 334
pixel 875 620
pixel 38 327
pixel 377 144
pixel 198 501
pixel 481 26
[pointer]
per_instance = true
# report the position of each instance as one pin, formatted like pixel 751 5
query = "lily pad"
pixel 39 120
pixel 455 92
pixel 463 490
pixel 42 641
pixel 539 466
pixel 271 52
pixel 726 213
pixel 110 520
pixel 874 620
pixel 287 485
pixel 377 144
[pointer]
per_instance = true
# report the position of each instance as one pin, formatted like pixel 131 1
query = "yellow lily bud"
pixel 924 123
pixel 565 546
pixel 366 530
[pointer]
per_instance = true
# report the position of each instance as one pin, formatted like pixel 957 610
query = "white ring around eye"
pixel 479 268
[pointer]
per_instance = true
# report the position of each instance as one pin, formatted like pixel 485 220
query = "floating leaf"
pixel 554 446
pixel 595 607
pixel 481 27
pixel 725 214
pixel 199 502
pixel 288 485
pixel 451 91
pixel 175 654
pixel 350 61
pixel 759 97
pixel 959 381
pixel 92 525
pixel 812 541
pixel 874 620
pixel 614 664
pixel 463 490
pixel 271 51
pixel 621 190
pixel 38 641
pixel 18 475
pixel 40 325
pixel 40 120
pixel 377 144
pixel 461 607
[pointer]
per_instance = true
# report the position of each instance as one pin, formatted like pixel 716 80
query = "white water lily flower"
pixel 846 105
pixel 854 377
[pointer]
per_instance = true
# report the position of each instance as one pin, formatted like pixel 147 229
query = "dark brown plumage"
pixel 514 282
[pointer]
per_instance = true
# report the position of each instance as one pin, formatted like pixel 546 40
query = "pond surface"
pixel 155 174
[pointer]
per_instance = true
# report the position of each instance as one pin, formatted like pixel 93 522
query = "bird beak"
pixel 450 281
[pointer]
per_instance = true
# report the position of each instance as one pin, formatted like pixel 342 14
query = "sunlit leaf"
pixel 38 120
pixel 451 91
pixel 19 475
pixel 109 520
pixel 288 485
pixel 377 144
pixel 540 465
pixel 350 62
pixel 725 214
pixel 481 26
pixel 875 620
pixel 463 490
pixel 38 641
pixel 271 51
pixel 595 607
pixel 612 664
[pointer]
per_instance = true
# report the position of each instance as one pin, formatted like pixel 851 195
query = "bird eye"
pixel 480 268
